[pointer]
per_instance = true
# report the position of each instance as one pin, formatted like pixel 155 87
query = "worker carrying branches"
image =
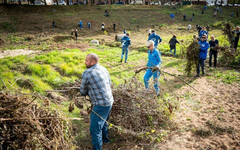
pixel 154 60
pixel 96 83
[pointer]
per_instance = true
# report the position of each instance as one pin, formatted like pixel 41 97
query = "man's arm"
pixel 129 41
pixel 158 56
pixel 149 38
pixel 160 39
pixel 84 85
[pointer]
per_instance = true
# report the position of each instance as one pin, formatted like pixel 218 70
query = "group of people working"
pixel 96 81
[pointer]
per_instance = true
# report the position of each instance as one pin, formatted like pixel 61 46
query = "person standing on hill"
pixel 213 51
pixel 149 32
pixel 76 34
pixel 154 61
pixel 88 25
pixel 96 83
pixel 172 43
pixel 199 28
pixel 103 27
pixel 155 38
pixel 202 54
pixel 53 24
pixel 202 32
pixel 126 42
pixel 236 34
pixel 184 17
pixel 193 15
pixel 205 7
pixel 172 16
pixel 80 24
pixel 106 13
pixel 114 27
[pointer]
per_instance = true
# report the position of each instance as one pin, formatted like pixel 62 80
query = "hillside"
pixel 191 113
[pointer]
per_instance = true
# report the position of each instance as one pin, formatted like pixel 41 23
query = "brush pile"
pixel 25 125
pixel 192 56
pixel 228 31
pixel 136 109
pixel 228 54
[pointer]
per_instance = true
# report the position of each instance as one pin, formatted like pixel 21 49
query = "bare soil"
pixel 16 52
pixel 207 120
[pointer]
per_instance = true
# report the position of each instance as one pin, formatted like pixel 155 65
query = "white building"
pixel 218 2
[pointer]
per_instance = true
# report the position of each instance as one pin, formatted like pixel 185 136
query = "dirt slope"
pixel 209 119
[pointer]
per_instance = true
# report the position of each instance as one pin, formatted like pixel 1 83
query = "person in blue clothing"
pixel 124 31
pixel 172 16
pixel 155 38
pixel 202 32
pixel 80 24
pixel 204 45
pixel 213 51
pixel 205 7
pixel 96 83
pixel 126 41
pixel 154 60
pixel 88 25
pixel 53 24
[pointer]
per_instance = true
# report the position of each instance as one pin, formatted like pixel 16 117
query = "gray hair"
pixel 150 43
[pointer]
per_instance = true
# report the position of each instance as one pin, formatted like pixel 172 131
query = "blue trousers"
pixel 155 75
pixel 174 51
pixel 99 127
pixel 81 26
pixel 124 51
pixel 200 64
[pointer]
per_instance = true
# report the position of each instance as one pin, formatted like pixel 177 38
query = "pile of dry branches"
pixel 25 125
pixel 228 54
pixel 136 109
pixel 228 31
pixel 192 56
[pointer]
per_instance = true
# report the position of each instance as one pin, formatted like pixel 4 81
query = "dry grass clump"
pixel 192 56
pixel 25 125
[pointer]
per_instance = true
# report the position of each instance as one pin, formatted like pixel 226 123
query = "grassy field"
pixel 60 59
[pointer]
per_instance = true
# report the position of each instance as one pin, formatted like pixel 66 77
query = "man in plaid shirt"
pixel 97 84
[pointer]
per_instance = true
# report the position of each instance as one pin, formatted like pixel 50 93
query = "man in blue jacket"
pixel 154 60
pixel 202 32
pixel 155 38
pixel 126 41
pixel 204 45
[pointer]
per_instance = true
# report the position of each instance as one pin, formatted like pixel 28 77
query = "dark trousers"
pixel 200 64
pixel 214 53
pixel 235 43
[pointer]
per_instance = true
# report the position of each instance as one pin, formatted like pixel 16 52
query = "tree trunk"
pixel 45 2
pixel 19 2
pixel 67 2
pixel 95 2
pixel 109 2
pixel 143 2
pixel 5 1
